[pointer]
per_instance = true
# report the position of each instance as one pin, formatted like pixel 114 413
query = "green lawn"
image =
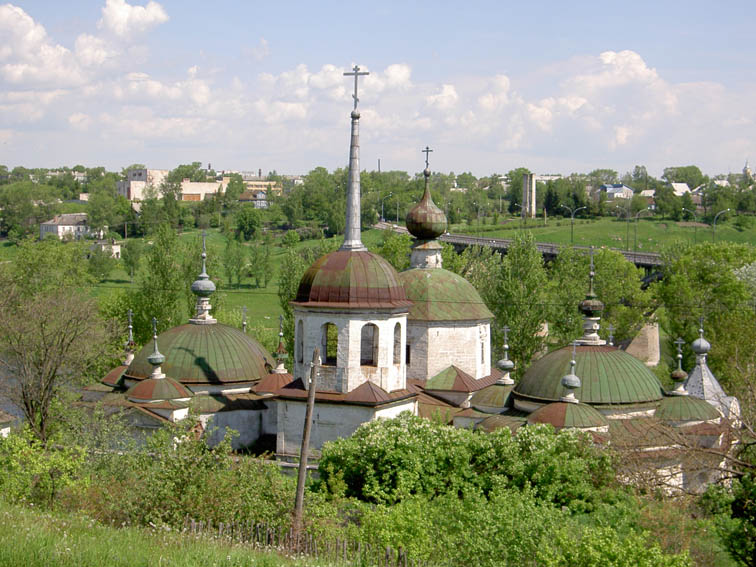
pixel 652 233
pixel 33 538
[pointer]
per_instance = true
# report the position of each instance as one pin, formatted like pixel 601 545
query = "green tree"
pixel 689 174
pixel 293 267
pixel 396 249
pixel 234 188
pixel 131 255
pixel 260 262
pixel 249 221
pixel 101 262
pixel 233 262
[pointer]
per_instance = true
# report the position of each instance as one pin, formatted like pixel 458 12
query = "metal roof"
pixel 157 389
pixel 367 394
pixel 441 295
pixel 356 279
pixel 456 380
pixel 426 220
pixel 205 354
pixel 566 414
pixel 685 408
pixel 609 376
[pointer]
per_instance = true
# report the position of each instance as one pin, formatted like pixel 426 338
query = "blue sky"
pixel 553 86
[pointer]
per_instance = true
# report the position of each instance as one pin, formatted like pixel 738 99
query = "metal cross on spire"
pixel 356 73
pixel 244 318
pixel 426 151
pixel 130 313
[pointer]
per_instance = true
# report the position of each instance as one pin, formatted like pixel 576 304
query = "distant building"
pixel 110 246
pixel 74 225
pixel 616 191
pixel 258 197
pixel 138 180
pixel 199 190
pixel 680 189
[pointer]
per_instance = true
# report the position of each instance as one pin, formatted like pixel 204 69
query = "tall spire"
pixel 352 239
pixel 156 358
pixel 591 308
pixel 203 287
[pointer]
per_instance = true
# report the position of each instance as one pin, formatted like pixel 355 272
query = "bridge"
pixel 649 261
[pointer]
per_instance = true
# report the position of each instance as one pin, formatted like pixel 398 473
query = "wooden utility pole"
pixel 303 453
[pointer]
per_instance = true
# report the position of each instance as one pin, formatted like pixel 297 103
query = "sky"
pixel 558 87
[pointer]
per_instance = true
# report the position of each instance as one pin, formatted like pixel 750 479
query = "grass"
pixel 32 538
pixel 652 233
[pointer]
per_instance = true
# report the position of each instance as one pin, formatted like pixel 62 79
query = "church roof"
pixel 426 221
pixel 456 380
pixel 702 383
pixel 608 376
pixel 494 422
pixel 352 279
pixel 441 295
pixel 114 377
pixel 492 398
pixel 272 383
pixel 685 408
pixel 567 415
pixel 367 394
pixel 157 389
pixel 205 354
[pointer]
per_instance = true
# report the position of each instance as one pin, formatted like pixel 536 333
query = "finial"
pixel 426 171
pixel 701 346
pixel 611 334
pixel 130 315
pixel 505 364
pixel 591 275
pixel 156 358
pixel 244 318
pixel 570 381
pixel 679 375
pixel 129 346
pixel 281 353
pixel 426 221
pixel 356 73
pixel 203 287
pixel 280 327
pixel 591 308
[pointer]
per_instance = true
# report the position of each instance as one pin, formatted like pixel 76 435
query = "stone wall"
pixel 435 346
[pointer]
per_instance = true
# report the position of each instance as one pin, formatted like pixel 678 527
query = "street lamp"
pixel 714 230
pixel 695 224
pixel 626 213
pixel 382 200
pixel 519 207
pixel 635 243
pixel 572 222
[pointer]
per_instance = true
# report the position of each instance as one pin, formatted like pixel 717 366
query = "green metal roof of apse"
pixel 441 295
pixel 565 415
pixel 205 354
pixel 608 376
pixel 686 408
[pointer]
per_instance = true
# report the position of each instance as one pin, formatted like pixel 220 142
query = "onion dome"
pixel 562 415
pixel 609 376
pixel 426 221
pixel 352 279
pixel 680 409
pixel 206 354
pixel 701 346
pixel 441 295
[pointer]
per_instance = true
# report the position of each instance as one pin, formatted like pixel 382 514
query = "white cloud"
pixel 261 50
pixel 80 121
pixel 126 21
pixel 445 99
pixel 93 51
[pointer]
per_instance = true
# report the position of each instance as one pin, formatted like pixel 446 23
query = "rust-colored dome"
pixel 426 221
pixel 157 389
pixel 347 278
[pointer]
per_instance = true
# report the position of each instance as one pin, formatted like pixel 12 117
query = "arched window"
pixel 397 344
pixel 369 345
pixel 329 344
pixel 300 342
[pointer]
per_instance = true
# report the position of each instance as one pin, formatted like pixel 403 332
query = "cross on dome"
pixel 356 73
pixel 426 151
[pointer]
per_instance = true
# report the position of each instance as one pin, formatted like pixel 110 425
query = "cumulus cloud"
pixel 126 21
pixel 261 50
pixel 445 99
pixel 93 51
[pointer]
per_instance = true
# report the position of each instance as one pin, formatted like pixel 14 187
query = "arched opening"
pixel 329 344
pixel 369 345
pixel 397 344
pixel 300 342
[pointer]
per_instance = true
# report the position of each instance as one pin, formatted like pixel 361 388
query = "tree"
pixel 396 249
pixel 260 262
pixel 667 203
pixel 234 188
pixel 131 254
pixel 514 187
pixel 293 267
pixel 689 174
pixel 233 261
pixel 248 221
pixel 599 177
pixel 101 262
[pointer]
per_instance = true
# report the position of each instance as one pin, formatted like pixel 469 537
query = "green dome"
pixel 565 414
pixel 441 295
pixel 609 376
pixel 205 354
pixel 347 278
pixel 685 408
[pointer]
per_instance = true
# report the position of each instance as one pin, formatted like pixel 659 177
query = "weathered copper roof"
pixel 221 403
pixel 347 278
pixel 565 414
pixel 205 354
pixel 513 423
pixel 426 221
pixel 114 378
pixel 154 389
pixel 685 408
pixel 367 394
pixel 441 295
pixel 608 375
pixel 492 398
pixel 272 383
pixel 455 380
